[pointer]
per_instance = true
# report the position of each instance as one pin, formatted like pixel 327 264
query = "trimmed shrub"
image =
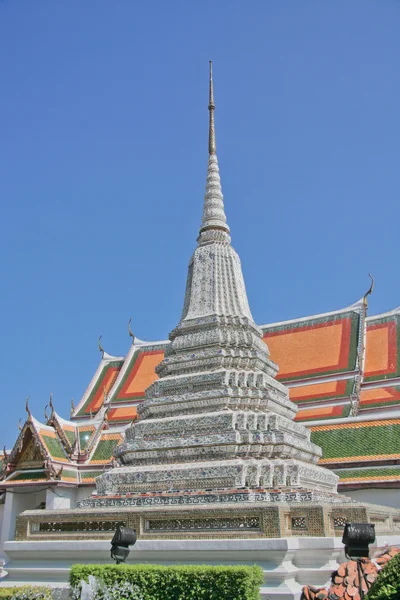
pixel 180 582
pixel 387 584
pixel 26 592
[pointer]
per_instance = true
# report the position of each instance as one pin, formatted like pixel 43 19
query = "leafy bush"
pixel 387 584
pixel 26 592
pixel 97 590
pixel 180 582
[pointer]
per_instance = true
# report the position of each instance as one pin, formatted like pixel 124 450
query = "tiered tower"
pixel 216 419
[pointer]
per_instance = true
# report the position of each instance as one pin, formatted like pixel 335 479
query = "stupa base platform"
pixel 208 515
pixel 288 563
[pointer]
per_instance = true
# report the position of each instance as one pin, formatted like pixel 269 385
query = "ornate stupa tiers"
pixel 216 419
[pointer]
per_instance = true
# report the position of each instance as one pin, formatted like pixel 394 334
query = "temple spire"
pixel 214 227
pixel 212 144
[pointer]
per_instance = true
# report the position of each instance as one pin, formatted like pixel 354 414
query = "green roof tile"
pixel 368 441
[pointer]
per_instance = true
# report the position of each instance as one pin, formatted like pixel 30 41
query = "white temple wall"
pixel 60 498
pixel 1 517
pixel 85 491
pixel 383 496
pixel 16 502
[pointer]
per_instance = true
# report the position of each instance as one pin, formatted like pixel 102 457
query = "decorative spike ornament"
pixel 101 349
pixel 371 289
pixel 27 407
pixel 130 331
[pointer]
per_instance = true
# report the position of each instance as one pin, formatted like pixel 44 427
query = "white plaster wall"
pixel 1 517
pixel 84 492
pixel 60 498
pixel 15 504
pixel 386 497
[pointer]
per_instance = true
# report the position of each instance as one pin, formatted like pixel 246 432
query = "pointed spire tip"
pixel 212 145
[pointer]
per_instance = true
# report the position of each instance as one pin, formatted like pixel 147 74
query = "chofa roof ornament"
pixel 101 349
pixel 371 289
pixel 27 407
pixel 130 331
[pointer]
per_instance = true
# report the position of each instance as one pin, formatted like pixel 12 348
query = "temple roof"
pixel 60 452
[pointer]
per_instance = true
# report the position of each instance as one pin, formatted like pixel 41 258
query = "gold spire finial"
pixel 130 331
pixel 212 144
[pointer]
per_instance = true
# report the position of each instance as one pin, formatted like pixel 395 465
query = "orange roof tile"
pixel 125 413
pixel 382 350
pixel 318 347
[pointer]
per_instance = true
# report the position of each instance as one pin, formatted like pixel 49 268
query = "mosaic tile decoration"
pixel 382 357
pixel 321 346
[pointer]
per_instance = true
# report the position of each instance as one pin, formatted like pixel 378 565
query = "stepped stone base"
pixel 288 563
pixel 237 515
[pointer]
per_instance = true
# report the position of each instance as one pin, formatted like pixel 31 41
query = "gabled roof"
pixel 383 346
pixel 100 386
pixel 138 371
pixel 103 451
pixel 42 453
pixel 322 345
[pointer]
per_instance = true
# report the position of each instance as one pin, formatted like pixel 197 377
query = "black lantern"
pixel 356 539
pixel 124 537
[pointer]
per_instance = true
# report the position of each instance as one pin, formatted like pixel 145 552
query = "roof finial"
pixel 27 407
pixel 212 144
pixel 51 403
pixel 130 331
pixel 371 289
pixel 101 347
pixel 72 407
pixel 46 416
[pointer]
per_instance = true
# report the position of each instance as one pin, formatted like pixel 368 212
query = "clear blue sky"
pixel 103 156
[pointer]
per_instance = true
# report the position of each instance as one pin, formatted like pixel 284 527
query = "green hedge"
pixel 181 582
pixel 387 584
pixel 26 591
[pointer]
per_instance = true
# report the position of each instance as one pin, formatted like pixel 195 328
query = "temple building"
pixel 342 369
pixel 272 413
